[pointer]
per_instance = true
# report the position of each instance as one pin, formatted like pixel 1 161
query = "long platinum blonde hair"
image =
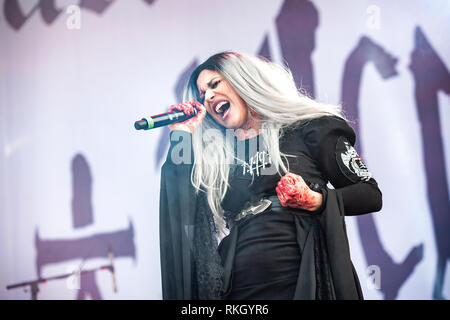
pixel 269 91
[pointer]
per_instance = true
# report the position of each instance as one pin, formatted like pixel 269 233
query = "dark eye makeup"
pixel 212 86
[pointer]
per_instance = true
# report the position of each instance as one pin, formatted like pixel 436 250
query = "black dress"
pixel 282 253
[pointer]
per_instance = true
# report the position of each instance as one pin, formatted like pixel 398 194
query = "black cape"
pixel 191 267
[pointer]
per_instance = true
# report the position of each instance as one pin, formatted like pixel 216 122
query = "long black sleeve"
pixel 330 141
pixel 190 264
pixel 177 212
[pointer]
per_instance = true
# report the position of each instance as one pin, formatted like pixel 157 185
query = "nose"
pixel 209 95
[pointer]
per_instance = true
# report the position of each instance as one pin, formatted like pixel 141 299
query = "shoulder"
pixel 321 133
pixel 317 129
pixel 320 129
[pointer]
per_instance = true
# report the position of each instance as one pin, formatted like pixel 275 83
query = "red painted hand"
pixel 188 108
pixel 293 192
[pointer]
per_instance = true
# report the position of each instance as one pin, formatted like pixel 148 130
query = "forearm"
pixel 361 198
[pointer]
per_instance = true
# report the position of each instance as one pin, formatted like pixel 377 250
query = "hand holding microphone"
pixel 184 116
pixel 188 108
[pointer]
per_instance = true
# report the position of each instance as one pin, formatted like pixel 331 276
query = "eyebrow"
pixel 209 83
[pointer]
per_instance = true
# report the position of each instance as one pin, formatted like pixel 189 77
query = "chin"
pixel 230 124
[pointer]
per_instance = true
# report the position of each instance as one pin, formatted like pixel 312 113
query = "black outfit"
pixel 282 253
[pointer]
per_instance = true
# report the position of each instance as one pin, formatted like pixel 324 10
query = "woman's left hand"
pixel 293 192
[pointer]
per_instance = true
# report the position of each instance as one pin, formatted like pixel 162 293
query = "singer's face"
pixel 221 100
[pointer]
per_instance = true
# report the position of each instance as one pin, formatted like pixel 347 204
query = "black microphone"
pixel 162 119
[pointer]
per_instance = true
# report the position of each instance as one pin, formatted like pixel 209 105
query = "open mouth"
pixel 222 107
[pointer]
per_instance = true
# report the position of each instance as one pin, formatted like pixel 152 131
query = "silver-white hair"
pixel 269 91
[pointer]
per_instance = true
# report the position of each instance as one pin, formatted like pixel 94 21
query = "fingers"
pixel 189 108
pixel 186 107
pixel 296 177
pixel 287 184
pixel 285 189
pixel 201 110
pixel 281 196
pixel 292 191
pixel 287 180
pixel 286 199
pixel 175 107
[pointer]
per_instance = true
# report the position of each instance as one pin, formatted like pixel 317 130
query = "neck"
pixel 250 129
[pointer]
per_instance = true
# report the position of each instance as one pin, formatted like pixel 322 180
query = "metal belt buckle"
pixel 254 209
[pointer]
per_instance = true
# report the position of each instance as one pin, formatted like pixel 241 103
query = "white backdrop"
pixel 66 91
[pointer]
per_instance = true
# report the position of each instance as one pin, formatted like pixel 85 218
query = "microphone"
pixel 162 119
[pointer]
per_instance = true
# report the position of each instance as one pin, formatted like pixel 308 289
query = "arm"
pixel 177 212
pixel 361 194
pixel 330 142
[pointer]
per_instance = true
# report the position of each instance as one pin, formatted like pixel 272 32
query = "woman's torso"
pixel 254 175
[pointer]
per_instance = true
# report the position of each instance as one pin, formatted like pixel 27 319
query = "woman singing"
pixel 245 211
